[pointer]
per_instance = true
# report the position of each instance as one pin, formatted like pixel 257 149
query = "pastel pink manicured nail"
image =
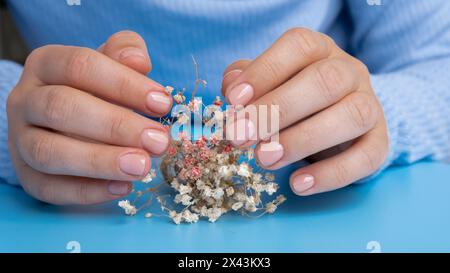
pixel 119 187
pixel 158 102
pixel 302 183
pixel 155 141
pixel 241 131
pixel 241 94
pixel 269 153
pixel 133 164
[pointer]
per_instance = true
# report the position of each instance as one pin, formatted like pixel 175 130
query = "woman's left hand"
pixel 327 107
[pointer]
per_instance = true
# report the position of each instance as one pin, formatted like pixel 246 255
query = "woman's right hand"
pixel 73 137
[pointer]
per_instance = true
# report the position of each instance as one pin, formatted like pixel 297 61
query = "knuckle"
pixel 123 88
pixel 116 124
pixel 82 193
pixel 57 107
pixel 41 153
pixel 361 110
pixel 372 157
pixel 271 70
pixel 79 63
pixel 284 105
pixel 46 192
pixel 331 79
pixel 341 173
pixel 93 161
pixel 304 42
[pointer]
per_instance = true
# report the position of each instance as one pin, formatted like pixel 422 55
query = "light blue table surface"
pixel 404 209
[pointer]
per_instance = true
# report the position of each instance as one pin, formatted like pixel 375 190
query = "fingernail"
pixel 231 75
pixel 269 153
pixel 155 141
pixel 133 164
pixel 241 131
pixel 158 102
pixel 131 52
pixel 241 94
pixel 119 187
pixel 302 183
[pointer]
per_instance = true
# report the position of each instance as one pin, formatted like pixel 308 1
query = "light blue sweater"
pixel 405 44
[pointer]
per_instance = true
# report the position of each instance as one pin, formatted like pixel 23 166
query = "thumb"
pixel 128 48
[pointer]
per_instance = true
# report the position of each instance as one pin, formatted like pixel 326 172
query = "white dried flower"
pixel 271 188
pixel 200 184
pixel 129 209
pixel 176 217
pixel 250 204
pixel 229 191
pixel 169 90
pixel 148 215
pixel 213 214
pixel 179 98
pixel 244 170
pixel 184 199
pixel 271 207
pixel 149 177
pixel 185 189
pixel 189 217
pixel 226 171
pixel 237 206
pixel 218 193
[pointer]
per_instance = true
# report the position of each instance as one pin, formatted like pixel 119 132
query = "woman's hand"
pixel 73 138
pixel 327 108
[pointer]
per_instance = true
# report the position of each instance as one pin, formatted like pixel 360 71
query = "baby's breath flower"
pixel 237 206
pixel 148 215
pixel 129 209
pixel 179 98
pixel 213 214
pixel 208 177
pixel 229 191
pixel 168 90
pixel 244 170
pixel 271 207
pixel 271 188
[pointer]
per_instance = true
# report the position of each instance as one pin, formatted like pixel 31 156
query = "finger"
pixel 53 153
pixel 315 88
pixel 66 109
pixel 69 190
pixel 362 159
pixel 129 49
pixel 93 72
pixel 291 53
pixel 346 120
pixel 232 72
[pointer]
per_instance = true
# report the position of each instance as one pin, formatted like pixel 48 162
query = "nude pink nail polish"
pixel 158 102
pixel 241 94
pixel 155 141
pixel 269 153
pixel 302 182
pixel 133 164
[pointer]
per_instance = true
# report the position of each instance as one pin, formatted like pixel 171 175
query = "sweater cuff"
pixel 9 75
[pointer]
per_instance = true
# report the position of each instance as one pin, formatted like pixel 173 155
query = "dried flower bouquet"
pixel 207 177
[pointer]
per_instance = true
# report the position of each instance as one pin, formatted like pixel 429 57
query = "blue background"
pixel 404 209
